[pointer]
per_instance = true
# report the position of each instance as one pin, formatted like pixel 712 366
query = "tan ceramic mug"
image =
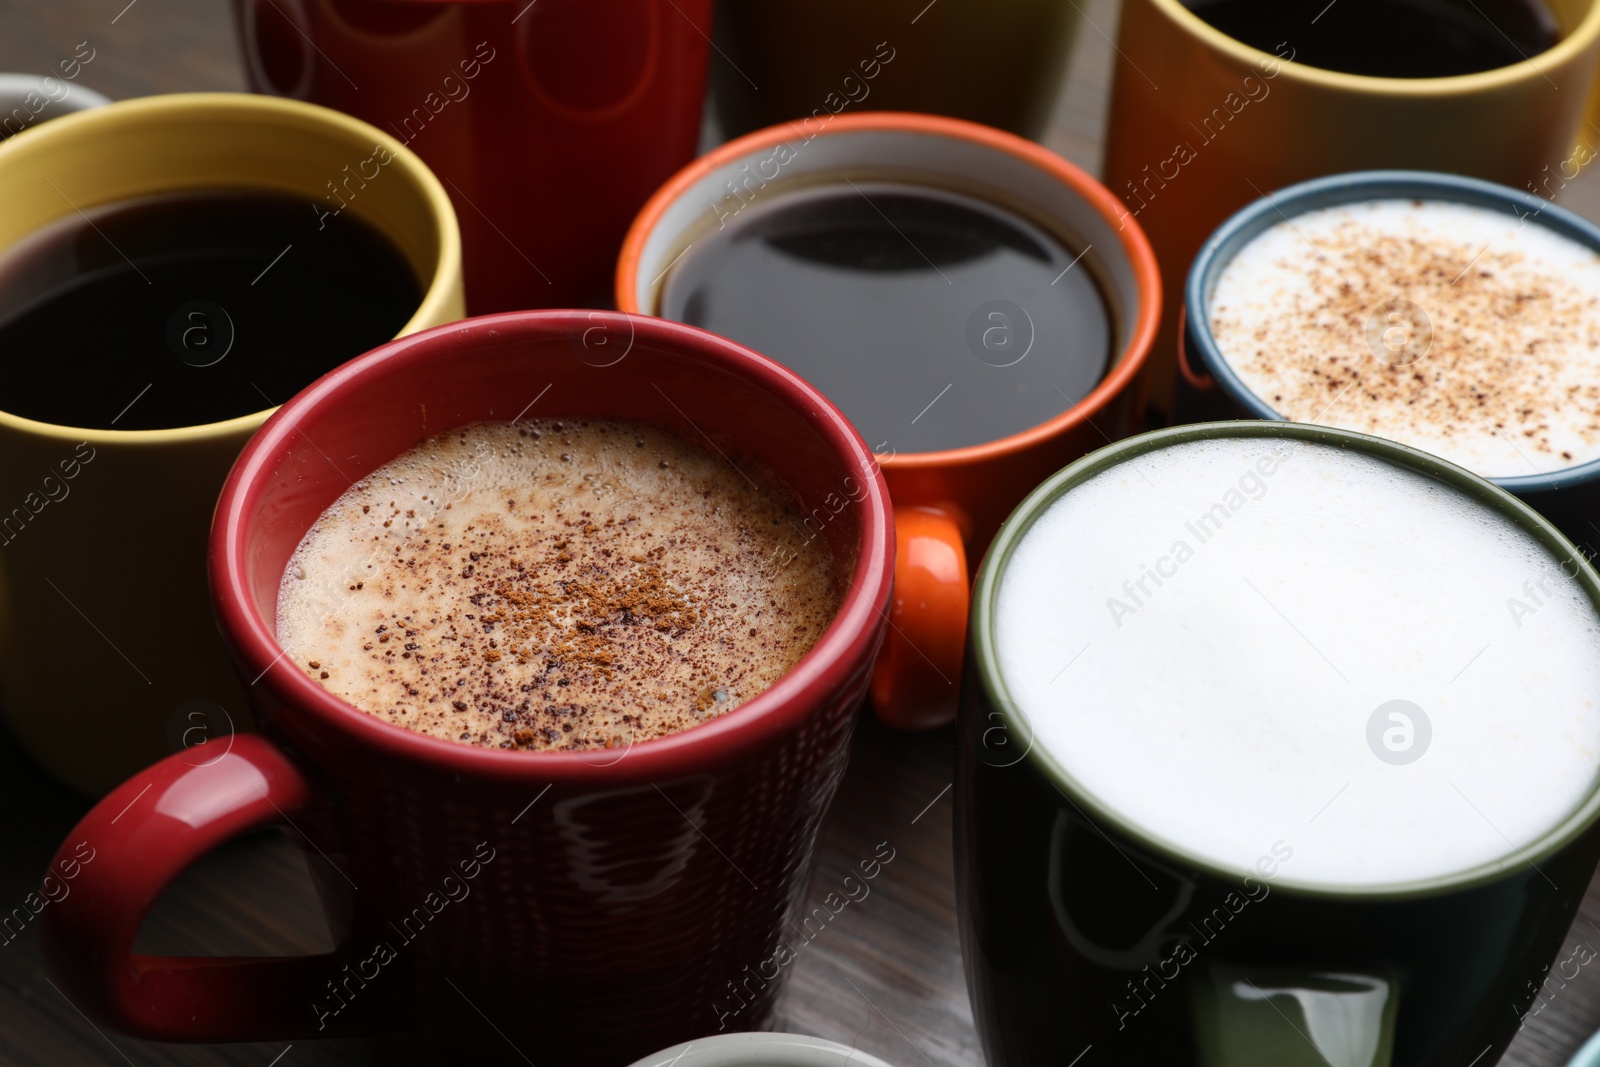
pixel 1202 124
pixel 112 654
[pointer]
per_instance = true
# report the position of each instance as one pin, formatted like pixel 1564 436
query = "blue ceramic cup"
pixel 1211 390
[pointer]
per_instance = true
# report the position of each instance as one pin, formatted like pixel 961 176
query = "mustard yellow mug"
pixel 111 657
pixel 1202 124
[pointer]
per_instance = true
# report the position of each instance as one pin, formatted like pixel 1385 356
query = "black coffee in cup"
pixel 191 308
pixel 1389 38
pixel 934 319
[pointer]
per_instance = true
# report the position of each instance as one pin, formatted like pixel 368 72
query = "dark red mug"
pixel 550 123
pixel 554 907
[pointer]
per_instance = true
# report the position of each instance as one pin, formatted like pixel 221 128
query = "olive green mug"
pixel 1082 929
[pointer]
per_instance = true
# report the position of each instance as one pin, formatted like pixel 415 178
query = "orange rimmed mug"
pixel 948 504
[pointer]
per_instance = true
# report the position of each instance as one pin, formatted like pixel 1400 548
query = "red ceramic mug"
pixel 556 907
pixel 550 123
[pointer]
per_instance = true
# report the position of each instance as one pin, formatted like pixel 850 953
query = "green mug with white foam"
pixel 1191 826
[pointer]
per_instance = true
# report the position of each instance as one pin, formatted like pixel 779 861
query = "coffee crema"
pixel 1456 329
pixel 547 584
pixel 1209 638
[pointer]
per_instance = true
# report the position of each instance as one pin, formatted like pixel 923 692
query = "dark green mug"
pixel 1088 941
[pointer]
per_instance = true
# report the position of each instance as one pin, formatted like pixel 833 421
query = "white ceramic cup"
pixel 760 1050
pixel 29 99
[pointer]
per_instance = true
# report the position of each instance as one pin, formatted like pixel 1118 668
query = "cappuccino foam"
pixel 1202 637
pixel 1509 383
pixel 555 585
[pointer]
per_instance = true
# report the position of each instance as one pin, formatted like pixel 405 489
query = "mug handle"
pixel 1273 1017
pixel 1591 121
pixel 141 836
pixel 916 682
pixel 1203 383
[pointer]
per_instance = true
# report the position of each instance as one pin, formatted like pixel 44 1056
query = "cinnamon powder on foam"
pixel 555 585
pixel 1510 383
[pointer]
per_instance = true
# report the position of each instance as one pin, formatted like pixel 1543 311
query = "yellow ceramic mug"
pixel 1202 124
pixel 107 625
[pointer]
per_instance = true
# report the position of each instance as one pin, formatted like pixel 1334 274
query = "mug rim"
pixel 1355 187
pixel 1588 1054
pixel 176 108
pixel 1565 50
pixel 772 1049
pixel 15 85
pixel 826 667
pixel 1576 821
pixel 1135 245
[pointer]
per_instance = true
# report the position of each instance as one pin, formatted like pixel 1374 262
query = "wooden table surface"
pixel 885 976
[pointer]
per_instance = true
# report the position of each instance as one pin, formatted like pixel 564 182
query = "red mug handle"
pixel 138 839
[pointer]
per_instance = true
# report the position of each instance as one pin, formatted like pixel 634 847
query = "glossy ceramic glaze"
pixel 1070 914
pixel 549 123
pixel 593 905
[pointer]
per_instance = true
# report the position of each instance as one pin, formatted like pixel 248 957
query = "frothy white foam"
pixel 1509 382
pixel 555 585
pixel 1201 636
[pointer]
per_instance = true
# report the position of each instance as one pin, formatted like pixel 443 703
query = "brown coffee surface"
pixel 564 584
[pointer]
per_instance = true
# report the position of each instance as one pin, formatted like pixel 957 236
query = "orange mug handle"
pixel 1202 382
pixel 917 680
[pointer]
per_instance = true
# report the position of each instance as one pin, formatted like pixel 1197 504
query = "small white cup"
pixel 760 1050
pixel 29 99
